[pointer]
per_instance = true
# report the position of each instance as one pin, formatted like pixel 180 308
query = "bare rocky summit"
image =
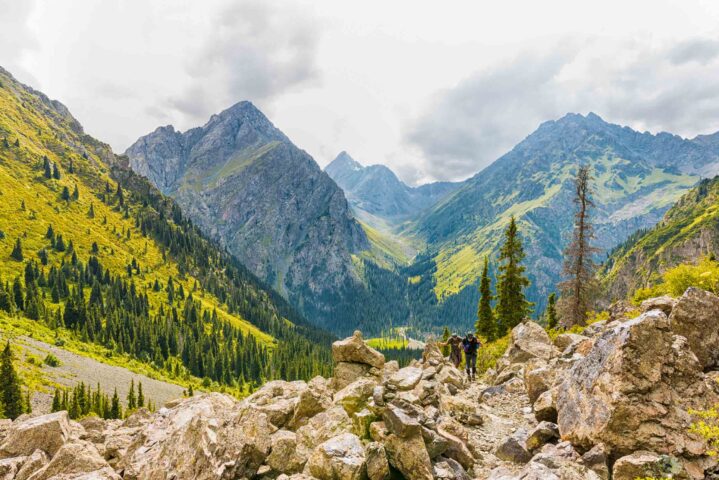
pixel 612 402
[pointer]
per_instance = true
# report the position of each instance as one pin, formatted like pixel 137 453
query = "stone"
pixel 644 464
pixel 565 340
pixel 323 426
pixel 621 311
pixel 9 467
pixel 203 437
pixel 347 372
pixel 538 378
pixel 47 432
pixel 277 399
pixel 664 303
pixel 543 433
pixel 32 464
pixel 451 376
pixel 400 423
pixel 283 457
pixel 529 340
pixel 406 378
pixel 435 443
pixel 354 350
pixel 339 458
pixel 354 396
pixel 545 408
pixel 597 460
pixel 361 422
pixel 696 317
pixel 72 459
pixel 378 395
pixel 448 469
pixel 456 437
pixel 409 456
pixel 377 463
pixel 312 400
pixel 512 450
pixel 633 391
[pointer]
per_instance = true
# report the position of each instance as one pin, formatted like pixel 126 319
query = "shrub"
pixel 490 352
pixel 704 275
pixel 51 360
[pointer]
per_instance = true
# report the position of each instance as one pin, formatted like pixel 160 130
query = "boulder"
pixel 32 464
pixel 354 396
pixel 72 460
pixel 203 437
pixel 377 464
pixel 277 399
pixel 512 450
pixel 448 469
pixel 409 456
pixel 696 317
pixel 538 378
pixel 529 340
pixel 451 376
pixel 643 464
pixel 400 423
pixel 621 311
pixel 664 303
pixel 283 456
pixel 633 391
pixel 435 443
pixel 406 378
pixel 47 433
pixel 597 460
pixel 456 437
pixel 316 398
pixel 9 467
pixel 354 350
pixel 339 458
pixel 565 340
pixel 543 433
pixel 347 372
pixel 545 407
pixel 361 422
pixel 321 428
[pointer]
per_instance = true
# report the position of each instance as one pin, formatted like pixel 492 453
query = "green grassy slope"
pixel 143 243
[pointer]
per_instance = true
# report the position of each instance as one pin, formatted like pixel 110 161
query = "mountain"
pixel 96 260
pixel 687 232
pixel 378 197
pixel 244 183
pixel 637 177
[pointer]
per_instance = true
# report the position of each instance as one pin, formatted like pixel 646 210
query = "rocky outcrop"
pixel 696 316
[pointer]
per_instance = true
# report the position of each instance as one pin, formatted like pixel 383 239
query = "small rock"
pixel 512 450
pixel 406 378
pixel 596 459
pixel 399 423
pixel 664 303
pixel 283 456
pixel 377 464
pixel 339 458
pixel 644 464
pixel 543 433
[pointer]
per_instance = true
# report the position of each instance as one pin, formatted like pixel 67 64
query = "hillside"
pixel 687 232
pixel 93 252
pixel 637 177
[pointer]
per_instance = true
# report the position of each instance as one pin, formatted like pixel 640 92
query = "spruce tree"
pixel 65 195
pixel 115 409
pixel 578 287
pixel 140 396
pixel 18 294
pixel 55 172
pixel 75 193
pixel 131 399
pixel 485 325
pixel 10 394
pixel 512 305
pixel 16 253
pixel 46 168
pixel 551 314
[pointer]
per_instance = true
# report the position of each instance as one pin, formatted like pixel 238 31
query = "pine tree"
pixel 190 391
pixel 10 394
pixel 512 305
pixel 131 399
pixel 75 193
pixel 55 172
pixel 18 294
pixel 46 168
pixel 65 195
pixel 485 325
pixel 16 253
pixel 56 401
pixel 115 409
pixel 91 211
pixel 140 396
pixel 551 313
pixel 578 288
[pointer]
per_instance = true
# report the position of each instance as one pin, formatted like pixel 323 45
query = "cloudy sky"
pixel 435 90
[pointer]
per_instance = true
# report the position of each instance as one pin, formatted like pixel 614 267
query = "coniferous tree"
pixel 485 325
pixel 50 234
pixel 18 294
pixel 75 193
pixel 115 408
pixel 16 253
pixel 579 267
pixel 10 394
pixel 140 396
pixel 65 195
pixel 131 399
pixel 55 172
pixel 46 167
pixel 551 314
pixel 512 305
pixel 91 211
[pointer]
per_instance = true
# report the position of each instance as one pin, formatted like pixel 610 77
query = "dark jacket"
pixel 470 346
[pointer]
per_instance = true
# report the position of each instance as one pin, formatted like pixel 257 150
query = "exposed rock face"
pixel 633 390
pixel 696 316
pixel 47 433
pixel 243 182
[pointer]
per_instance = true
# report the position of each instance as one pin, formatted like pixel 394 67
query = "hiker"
pixel 470 344
pixel 455 352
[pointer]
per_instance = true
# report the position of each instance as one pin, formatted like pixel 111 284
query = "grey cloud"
pixel 256 51
pixel 16 36
pixel 659 89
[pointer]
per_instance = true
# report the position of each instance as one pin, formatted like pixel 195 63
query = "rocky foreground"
pixel 610 403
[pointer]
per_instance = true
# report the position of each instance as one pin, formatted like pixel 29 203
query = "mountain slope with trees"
pixel 92 249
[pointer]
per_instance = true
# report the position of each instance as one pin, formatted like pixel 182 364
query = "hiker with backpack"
pixel 470 345
pixel 455 349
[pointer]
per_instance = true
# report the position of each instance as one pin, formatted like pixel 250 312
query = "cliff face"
pixel 243 182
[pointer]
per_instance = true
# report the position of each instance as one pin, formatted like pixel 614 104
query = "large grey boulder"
pixel 377 464
pixel 283 456
pixel 696 317
pixel 47 433
pixel 406 378
pixel 399 422
pixel 633 391
pixel 643 464
pixel 664 303
pixel 529 340
pixel 339 458
pixel 511 449
pixel 354 350
pixel 73 460
pixel 321 428
pixel 277 399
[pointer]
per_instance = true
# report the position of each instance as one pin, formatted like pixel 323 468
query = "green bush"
pixel 51 360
